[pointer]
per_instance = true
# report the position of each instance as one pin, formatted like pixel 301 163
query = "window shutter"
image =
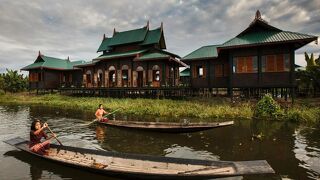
pixel 204 68
pixel 280 63
pixel 270 63
pixel 249 63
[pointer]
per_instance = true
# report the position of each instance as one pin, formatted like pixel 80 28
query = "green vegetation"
pixel 267 107
pixel 309 79
pixel 11 81
pixel 205 109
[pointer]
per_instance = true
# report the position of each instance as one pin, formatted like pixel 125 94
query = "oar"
pixel 54 137
pixel 112 112
pixel 105 115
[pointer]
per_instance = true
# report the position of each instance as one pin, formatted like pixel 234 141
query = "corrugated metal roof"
pixel 152 37
pixel 185 72
pixel 120 54
pixel 53 63
pixel 153 55
pixel 126 37
pixel 263 37
pixel 202 53
pixel 104 46
pixel 142 36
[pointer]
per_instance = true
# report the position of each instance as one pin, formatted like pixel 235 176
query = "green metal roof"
pixel 202 53
pixel 52 63
pixel 153 37
pixel 185 72
pixel 120 54
pixel 142 36
pixel 105 45
pixel 153 55
pixel 126 37
pixel 263 37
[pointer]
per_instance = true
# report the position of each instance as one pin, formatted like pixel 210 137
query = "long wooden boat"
pixel 135 166
pixel 168 127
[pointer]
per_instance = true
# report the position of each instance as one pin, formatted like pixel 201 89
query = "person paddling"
pixel 36 134
pixel 99 114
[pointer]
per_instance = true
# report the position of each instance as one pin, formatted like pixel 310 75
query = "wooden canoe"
pixel 126 165
pixel 167 127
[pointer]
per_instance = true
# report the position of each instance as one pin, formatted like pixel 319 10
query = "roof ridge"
pixel 53 57
pixel 144 27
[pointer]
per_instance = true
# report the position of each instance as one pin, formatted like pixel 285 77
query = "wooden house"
pixel 260 57
pixel 53 73
pixel 134 58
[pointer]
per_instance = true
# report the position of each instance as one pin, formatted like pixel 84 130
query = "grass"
pixel 208 109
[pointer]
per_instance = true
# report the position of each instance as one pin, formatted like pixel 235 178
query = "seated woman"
pixel 36 134
pixel 99 114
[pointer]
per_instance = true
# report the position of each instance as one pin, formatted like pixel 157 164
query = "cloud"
pixel 75 28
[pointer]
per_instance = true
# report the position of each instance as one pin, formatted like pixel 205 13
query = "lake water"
pixel 293 151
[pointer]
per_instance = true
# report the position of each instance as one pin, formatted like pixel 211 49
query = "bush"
pixel 268 108
pixel 11 81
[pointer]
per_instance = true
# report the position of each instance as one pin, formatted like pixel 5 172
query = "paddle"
pixel 105 115
pixel 53 134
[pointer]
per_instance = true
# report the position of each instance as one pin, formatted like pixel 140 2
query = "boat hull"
pixel 166 127
pixel 231 168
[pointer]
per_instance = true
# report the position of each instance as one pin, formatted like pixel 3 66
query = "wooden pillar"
pixel 230 86
pixel 292 77
pixel 164 80
pixel 147 74
pixel 209 74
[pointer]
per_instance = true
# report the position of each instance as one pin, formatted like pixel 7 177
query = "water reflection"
pixel 308 155
pixel 293 152
pixel 187 152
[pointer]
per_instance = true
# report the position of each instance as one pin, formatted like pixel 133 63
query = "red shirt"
pixel 36 138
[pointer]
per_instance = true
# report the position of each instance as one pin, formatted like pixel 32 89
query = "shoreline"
pixel 204 109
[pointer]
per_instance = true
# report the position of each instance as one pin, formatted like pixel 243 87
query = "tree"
pixel 318 61
pixel 310 78
pixel 11 81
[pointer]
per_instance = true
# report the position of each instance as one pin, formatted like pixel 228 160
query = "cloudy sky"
pixel 63 28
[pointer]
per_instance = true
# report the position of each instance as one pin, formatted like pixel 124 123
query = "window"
pixel 247 64
pixel 34 77
pixel 199 71
pixel 88 78
pixel 275 63
pixel 156 73
pixel 63 78
pixel 100 77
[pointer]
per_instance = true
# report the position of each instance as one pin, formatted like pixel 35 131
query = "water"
pixel 293 151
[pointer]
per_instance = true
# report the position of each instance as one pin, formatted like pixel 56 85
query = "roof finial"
pixel 148 24
pixel 161 25
pixel 39 54
pixel 68 58
pixel 258 15
pixel 104 36
pixel 114 31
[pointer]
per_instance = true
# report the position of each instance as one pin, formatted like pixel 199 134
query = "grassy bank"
pixel 214 108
